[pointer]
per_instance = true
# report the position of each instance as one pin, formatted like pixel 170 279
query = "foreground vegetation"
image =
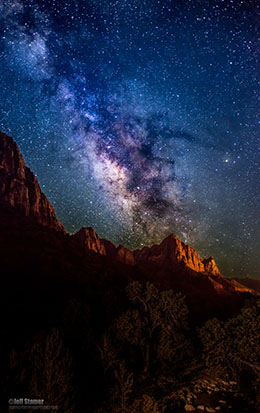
pixel 138 363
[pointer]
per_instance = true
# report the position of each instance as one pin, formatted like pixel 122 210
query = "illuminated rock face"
pixel 175 251
pixel 125 255
pixel 171 249
pixel 210 266
pixel 89 240
pixel 20 189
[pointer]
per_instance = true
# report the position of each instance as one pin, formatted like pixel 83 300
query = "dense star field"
pixel 139 118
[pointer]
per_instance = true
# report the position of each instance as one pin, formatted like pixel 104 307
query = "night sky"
pixel 139 118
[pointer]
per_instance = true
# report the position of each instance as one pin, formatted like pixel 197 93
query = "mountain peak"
pixel 20 189
pixel 89 240
pixel 176 252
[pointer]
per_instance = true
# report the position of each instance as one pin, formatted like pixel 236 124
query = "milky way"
pixel 140 118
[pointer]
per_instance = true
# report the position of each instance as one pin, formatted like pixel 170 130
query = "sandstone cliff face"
pixel 110 248
pixel 210 266
pixel 177 253
pixel 171 249
pixel 88 239
pixel 125 255
pixel 20 189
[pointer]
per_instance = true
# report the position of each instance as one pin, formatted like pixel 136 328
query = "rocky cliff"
pixel 125 255
pixel 170 250
pixel 177 253
pixel 20 189
pixel 88 239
